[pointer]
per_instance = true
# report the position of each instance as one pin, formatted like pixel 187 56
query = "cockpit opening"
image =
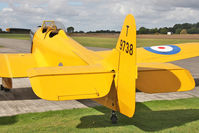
pixel 53 27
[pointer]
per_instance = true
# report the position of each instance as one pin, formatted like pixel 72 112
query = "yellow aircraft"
pixel 61 69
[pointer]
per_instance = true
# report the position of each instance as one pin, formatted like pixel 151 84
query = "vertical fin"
pixel 123 61
pixel 127 69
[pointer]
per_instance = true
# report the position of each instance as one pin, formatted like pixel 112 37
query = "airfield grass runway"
pixel 154 116
pixel 176 116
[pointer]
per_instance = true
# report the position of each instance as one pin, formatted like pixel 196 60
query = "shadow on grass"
pixel 144 118
pixel 8 120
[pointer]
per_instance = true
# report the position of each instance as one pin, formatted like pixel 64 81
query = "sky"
pixel 90 15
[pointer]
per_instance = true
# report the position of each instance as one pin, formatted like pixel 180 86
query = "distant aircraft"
pixel 59 68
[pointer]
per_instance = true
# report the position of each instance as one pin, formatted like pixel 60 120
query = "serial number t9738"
pixel 125 46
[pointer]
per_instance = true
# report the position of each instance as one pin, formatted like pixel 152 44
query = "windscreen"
pixel 55 25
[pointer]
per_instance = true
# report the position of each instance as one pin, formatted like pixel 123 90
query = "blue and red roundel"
pixel 164 49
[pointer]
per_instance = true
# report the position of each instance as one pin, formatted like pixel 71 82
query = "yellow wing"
pixel 155 76
pixel 163 77
pixel 168 54
pixel 187 50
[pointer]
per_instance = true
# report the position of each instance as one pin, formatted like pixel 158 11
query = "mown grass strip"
pixel 154 116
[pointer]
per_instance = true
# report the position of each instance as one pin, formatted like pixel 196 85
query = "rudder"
pixel 123 61
pixel 127 69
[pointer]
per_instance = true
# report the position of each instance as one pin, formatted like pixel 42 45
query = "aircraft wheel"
pixel 4 89
pixel 114 118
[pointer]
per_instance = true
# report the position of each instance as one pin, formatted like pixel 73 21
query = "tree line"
pixel 72 30
pixel 185 28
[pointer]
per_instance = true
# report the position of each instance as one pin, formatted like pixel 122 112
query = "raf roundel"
pixel 164 49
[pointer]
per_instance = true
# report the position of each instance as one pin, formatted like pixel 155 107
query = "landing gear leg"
pixel 6 84
pixel 114 117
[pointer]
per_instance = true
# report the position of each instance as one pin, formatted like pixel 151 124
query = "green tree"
pixel 193 30
pixel 177 26
pixel 164 30
pixel 70 29
pixel 153 31
pixel 186 26
pixel 171 29
pixel 143 30
pixel 177 31
pixel 197 25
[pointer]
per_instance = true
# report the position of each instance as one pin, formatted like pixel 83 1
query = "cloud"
pixel 7 10
pixel 97 14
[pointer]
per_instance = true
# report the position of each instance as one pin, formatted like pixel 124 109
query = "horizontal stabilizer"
pixel 16 65
pixel 163 77
pixel 68 83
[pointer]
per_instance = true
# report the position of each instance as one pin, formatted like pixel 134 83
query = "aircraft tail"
pixel 123 59
pixel 111 83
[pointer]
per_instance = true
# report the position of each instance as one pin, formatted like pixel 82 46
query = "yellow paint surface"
pixel 163 77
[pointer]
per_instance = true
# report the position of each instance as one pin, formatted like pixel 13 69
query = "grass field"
pixel 110 42
pixel 155 116
pixel 15 36
pixel 141 42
